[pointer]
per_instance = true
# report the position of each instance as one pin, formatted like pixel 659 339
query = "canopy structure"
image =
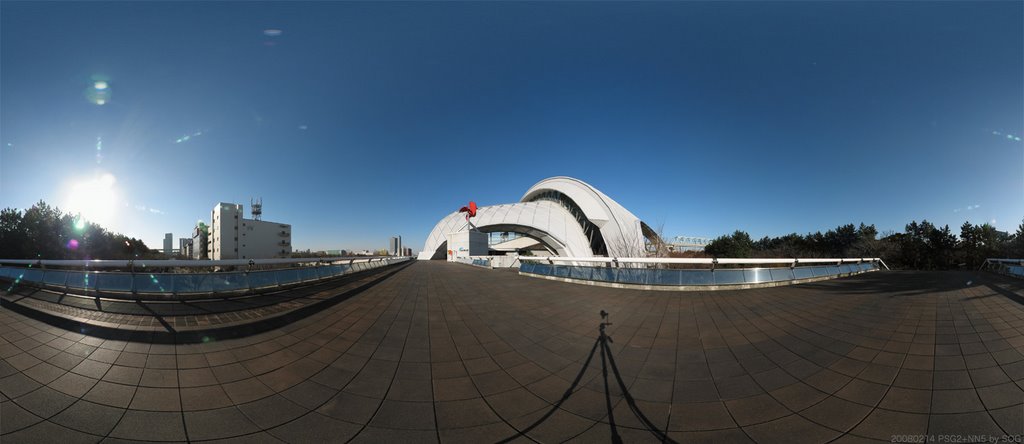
pixel 567 216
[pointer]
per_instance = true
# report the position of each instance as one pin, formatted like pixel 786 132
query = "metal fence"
pixel 645 271
pixel 141 282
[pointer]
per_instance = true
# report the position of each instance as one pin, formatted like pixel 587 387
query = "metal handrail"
pixel 98 263
pixel 705 261
pixel 991 261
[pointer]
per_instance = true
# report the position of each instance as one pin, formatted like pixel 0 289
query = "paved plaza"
pixel 447 352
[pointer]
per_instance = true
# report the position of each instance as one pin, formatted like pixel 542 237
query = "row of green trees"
pixel 921 246
pixel 43 231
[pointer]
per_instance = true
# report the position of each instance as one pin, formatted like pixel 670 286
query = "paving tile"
pixel 89 417
pixel 218 423
pixel 480 348
pixel 153 426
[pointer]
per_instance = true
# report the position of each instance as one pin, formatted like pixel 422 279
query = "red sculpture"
pixel 469 210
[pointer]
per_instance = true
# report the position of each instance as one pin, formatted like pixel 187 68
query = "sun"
pixel 94 199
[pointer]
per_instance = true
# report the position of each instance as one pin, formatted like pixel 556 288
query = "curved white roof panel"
pixel 568 215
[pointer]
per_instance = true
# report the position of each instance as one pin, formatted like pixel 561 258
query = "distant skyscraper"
pixel 168 243
pixel 393 246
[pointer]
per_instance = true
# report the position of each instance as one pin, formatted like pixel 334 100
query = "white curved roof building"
pixel 568 216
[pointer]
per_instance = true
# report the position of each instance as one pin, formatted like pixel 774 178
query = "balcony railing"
pixel 81 279
pixel 1012 267
pixel 654 272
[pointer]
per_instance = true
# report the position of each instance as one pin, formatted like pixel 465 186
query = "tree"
pixel 737 245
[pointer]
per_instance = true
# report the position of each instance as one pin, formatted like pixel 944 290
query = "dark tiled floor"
pixel 446 352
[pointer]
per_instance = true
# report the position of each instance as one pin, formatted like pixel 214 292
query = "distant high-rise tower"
pixel 257 208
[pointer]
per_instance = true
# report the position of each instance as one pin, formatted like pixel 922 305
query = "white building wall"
pixel 234 237
pixel 225 219
pixel 260 239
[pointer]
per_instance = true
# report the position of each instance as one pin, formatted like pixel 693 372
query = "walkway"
pixel 453 353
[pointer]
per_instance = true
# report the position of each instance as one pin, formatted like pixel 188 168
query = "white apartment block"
pixel 234 237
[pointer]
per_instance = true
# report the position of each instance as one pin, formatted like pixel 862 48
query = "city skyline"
pixel 357 122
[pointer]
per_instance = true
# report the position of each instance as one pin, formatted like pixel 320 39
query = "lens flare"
pixel 94 200
pixel 72 244
pixel 79 224
pixel 99 90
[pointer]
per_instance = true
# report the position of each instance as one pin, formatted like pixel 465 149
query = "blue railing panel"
pixel 262 279
pixel 696 277
pixel 81 279
pixel 287 277
pixel 229 282
pixel 55 277
pixel 307 274
pixel 193 283
pixel 153 283
pixel 782 274
pixel 119 282
pixel 756 275
pixel 729 277
pixel 722 276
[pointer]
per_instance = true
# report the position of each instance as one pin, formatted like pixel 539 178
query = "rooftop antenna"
pixel 257 208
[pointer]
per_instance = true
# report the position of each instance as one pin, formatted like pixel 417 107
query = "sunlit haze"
pixel 355 122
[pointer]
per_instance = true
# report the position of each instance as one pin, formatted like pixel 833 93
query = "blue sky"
pixel 359 121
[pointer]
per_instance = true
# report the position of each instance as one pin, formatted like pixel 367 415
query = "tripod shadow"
pixel 607 362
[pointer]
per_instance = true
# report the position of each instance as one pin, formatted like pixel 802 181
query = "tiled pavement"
pixel 450 352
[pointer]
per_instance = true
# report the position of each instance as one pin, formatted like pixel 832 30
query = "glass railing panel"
pixel 286 277
pixel 756 275
pixel 579 273
pixel 193 283
pixel 262 279
pixel 229 282
pixel 632 276
pixel 696 277
pixel 846 268
pixel 119 282
pixel 55 277
pixel 307 274
pixel 81 279
pixel 34 275
pixel 803 273
pixel 561 270
pixel 604 274
pixel 728 277
pixel 781 274
pixel 536 268
pixel 820 271
pixel 153 283
pixel 663 277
